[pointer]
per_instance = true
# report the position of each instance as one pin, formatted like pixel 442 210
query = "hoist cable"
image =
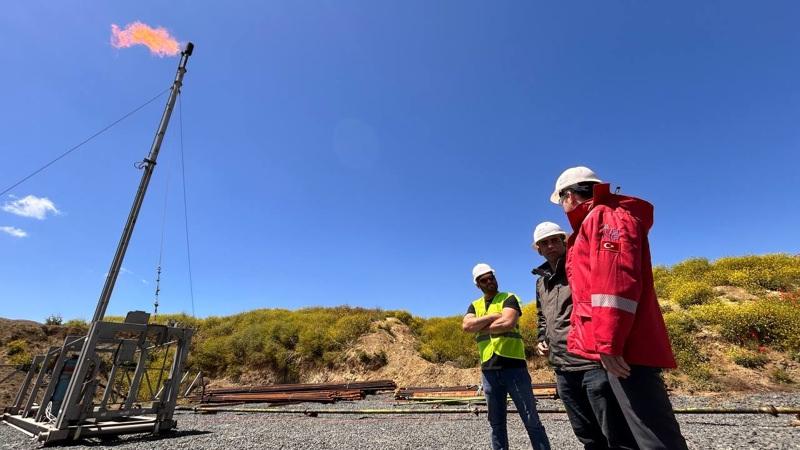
pixel 185 204
pixel 161 247
pixel 103 130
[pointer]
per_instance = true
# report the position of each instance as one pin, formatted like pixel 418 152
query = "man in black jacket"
pixel 583 385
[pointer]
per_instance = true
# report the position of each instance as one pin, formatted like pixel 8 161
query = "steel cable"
pixel 103 130
pixel 185 203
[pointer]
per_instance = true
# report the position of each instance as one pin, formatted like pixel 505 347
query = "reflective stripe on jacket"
pixel 615 309
pixel 508 344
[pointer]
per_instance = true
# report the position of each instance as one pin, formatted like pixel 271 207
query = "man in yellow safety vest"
pixel 493 318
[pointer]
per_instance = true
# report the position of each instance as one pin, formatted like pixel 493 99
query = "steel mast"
pixel 148 164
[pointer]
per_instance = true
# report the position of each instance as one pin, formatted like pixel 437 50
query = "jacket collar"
pixel 546 271
pixel 602 195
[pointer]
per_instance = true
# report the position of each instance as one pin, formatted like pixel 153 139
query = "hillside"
pixel 734 324
pixel 19 340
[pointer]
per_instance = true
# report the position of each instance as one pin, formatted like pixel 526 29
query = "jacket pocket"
pixel 585 328
pixel 583 308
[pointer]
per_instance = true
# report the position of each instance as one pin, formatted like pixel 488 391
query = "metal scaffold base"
pixel 138 365
pixel 47 433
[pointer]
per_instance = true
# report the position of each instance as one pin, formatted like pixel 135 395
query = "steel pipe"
pixel 767 409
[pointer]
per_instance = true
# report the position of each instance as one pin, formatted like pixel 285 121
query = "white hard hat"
pixel 480 269
pixel 545 230
pixel 573 175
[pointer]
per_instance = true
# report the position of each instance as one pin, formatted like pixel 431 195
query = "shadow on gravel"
pixel 114 441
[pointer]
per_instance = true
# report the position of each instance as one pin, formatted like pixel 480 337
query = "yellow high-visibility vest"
pixel 508 344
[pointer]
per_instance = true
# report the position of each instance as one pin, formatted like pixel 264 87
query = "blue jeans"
pixel 593 411
pixel 497 386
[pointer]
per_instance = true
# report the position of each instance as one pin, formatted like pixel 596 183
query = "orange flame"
pixel 157 40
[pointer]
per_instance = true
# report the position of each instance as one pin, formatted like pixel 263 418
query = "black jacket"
pixel 553 310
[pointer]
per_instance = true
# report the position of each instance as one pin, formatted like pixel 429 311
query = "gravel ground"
pixel 385 432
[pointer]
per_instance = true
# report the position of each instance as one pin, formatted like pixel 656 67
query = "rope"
pixel 48 413
pixel 185 205
pixel 103 130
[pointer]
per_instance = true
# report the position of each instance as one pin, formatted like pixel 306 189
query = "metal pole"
pixel 768 409
pixel 147 165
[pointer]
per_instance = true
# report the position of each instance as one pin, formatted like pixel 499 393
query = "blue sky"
pixel 369 153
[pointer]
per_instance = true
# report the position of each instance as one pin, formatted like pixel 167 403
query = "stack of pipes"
pixel 294 393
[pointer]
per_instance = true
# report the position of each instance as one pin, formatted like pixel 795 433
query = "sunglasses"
pixel 484 279
pixel 562 195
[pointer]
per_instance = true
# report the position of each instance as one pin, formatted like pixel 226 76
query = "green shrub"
pixel 18 353
pixel 442 340
pixel 209 355
pixel 77 326
pixel 769 321
pixel 662 277
pixel 780 375
pixel 747 358
pixel 180 319
pixel 15 347
pixel 682 330
pixel 372 361
pixel 703 378
pixel 279 340
pixel 776 272
pixel 349 328
pixel 691 293
pixel 528 327
pixel 691 269
pixel 689 355
pixel 54 319
pixel 414 323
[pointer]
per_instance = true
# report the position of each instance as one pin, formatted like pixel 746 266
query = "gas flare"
pixel 158 40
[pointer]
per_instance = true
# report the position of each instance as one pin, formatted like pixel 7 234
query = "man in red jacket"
pixel 615 317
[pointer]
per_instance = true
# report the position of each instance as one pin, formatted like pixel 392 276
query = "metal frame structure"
pixel 60 397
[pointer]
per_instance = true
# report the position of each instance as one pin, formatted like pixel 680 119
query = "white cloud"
pixel 31 206
pixel 16 232
pixel 125 270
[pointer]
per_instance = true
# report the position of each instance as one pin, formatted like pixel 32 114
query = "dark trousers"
pixel 593 411
pixel 647 409
pixel 497 386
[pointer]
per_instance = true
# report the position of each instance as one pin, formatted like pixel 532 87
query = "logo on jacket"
pixel 609 246
pixel 609 233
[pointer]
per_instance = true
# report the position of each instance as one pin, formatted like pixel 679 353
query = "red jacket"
pixel 615 309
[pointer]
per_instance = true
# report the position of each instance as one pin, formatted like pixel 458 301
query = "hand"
pixel 542 348
pixel 615 365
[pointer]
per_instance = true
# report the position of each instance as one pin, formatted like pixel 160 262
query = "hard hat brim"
pixel 552 233
pixel 554 197
pixel 475 277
